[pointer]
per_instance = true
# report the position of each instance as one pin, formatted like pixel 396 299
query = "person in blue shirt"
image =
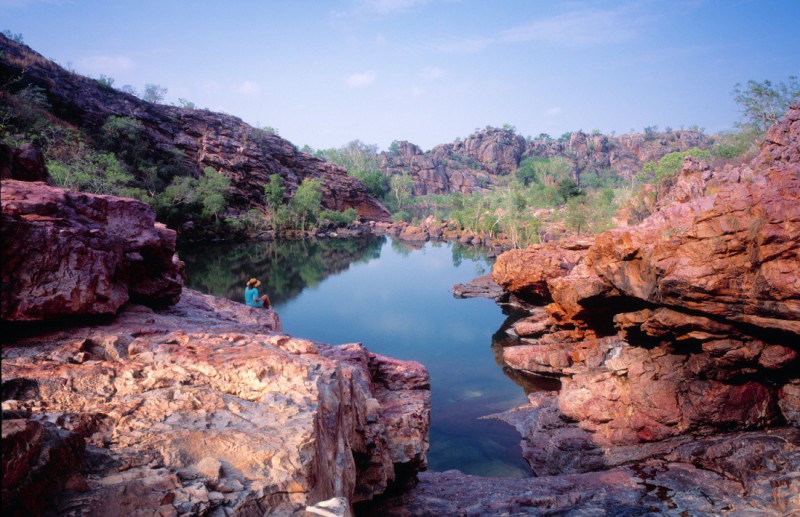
pixel 251 297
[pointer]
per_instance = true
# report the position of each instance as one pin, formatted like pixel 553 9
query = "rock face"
pixel 247 155
pixel 674 339
pixel 471 164
pixel 25 163
pixel 205 407
pixel 67 253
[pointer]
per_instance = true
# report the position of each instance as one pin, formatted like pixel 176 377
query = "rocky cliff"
pixel 174 402
pixel 472 163
pixel 687 324
pixel 247 155
pixel 676 344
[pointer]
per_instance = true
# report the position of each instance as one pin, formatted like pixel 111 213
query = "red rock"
pixel 24 163
pixel 69 253
pixel 38 460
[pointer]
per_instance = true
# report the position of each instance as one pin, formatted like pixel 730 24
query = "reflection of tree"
pixel 470 252
pixel 285 267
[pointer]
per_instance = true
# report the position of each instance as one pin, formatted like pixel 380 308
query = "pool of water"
pixel 396 299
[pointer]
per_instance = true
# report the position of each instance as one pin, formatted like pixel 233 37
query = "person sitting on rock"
pixel 251 297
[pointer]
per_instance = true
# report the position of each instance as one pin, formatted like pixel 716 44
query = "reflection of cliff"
pixel 285 268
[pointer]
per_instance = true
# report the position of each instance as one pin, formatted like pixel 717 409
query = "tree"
pixel 154 93
pixel 763 103
pixel 547 171
pixel 307 201
pixel 402 187
pixel 105 80
pixel 273 194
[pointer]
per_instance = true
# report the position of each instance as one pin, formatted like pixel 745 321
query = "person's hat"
pixel 253 282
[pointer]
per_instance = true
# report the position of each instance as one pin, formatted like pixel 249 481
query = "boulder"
pixel 70 253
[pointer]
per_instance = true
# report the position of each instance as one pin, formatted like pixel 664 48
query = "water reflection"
pixel 395 297
pixel 285 268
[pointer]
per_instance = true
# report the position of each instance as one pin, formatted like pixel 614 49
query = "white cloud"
pixel 105 64
pixel 578 27
pixel 581 27
pixel 249 89
pixel 555 110
pixel 361 79
pixel 432 72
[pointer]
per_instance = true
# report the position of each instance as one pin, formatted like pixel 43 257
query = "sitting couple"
pixel 251 297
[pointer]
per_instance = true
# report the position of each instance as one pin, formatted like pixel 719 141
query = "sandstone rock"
pixel 472 164
pixel 38 461
pixel 70 253
pixel 210 411
pixel 24 163
pixel 481 287
pixel 526 272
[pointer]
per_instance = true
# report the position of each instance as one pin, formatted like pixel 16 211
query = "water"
pixel 394 298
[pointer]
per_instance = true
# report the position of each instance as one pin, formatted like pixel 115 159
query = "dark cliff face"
pixel 472 164
pixel 248 156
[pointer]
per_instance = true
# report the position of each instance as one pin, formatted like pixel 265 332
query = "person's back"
pixel 251 298
pixel 250 295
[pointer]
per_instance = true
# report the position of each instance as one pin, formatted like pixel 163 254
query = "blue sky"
pixel 327 72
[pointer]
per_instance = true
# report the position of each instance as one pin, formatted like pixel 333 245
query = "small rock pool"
pixel 395 298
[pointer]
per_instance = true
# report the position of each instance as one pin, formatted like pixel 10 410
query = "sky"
pixel 324 73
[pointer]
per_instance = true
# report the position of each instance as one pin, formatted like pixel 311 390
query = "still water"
pixel 395 298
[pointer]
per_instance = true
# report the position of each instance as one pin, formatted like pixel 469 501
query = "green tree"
pixel 274 191
pixel 307 202
pixel 763 103
pixel 402 187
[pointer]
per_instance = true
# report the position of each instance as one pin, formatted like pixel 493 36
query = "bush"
pixel 401 216
pixel 341 219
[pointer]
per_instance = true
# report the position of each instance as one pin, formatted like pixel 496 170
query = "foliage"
pixel 14 36
pixel 341 219
pixel 306 203
pixel 98 173
pixel 361 161
pixel 187 104
pixel 274 191
pixel 271 130
pixel 401 188
pixel 741 144
pixel 154 93
pixel 187 198
pixel 545 171
pixel 106 81
pixel 763 103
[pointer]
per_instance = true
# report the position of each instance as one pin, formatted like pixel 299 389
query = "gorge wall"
pixel 123 393
pixel 246 155
pixel 676 344
pixel 472 163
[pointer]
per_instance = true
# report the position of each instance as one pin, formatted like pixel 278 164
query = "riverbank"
pixel 125 393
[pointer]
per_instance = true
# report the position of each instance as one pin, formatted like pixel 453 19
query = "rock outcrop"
pixel 24 163
pixel 674 339
pixel 176 402
pixel 247 155
pixel 473 163
pixel 67 253
pixel 204 407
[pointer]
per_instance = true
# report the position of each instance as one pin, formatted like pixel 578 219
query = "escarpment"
pixel 475 162
pixel 140 397
pixel 198 138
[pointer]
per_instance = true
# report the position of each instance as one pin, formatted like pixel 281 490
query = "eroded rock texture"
pixel 473 163
pixel 674 339
pixel 67 253
pixel 205 408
